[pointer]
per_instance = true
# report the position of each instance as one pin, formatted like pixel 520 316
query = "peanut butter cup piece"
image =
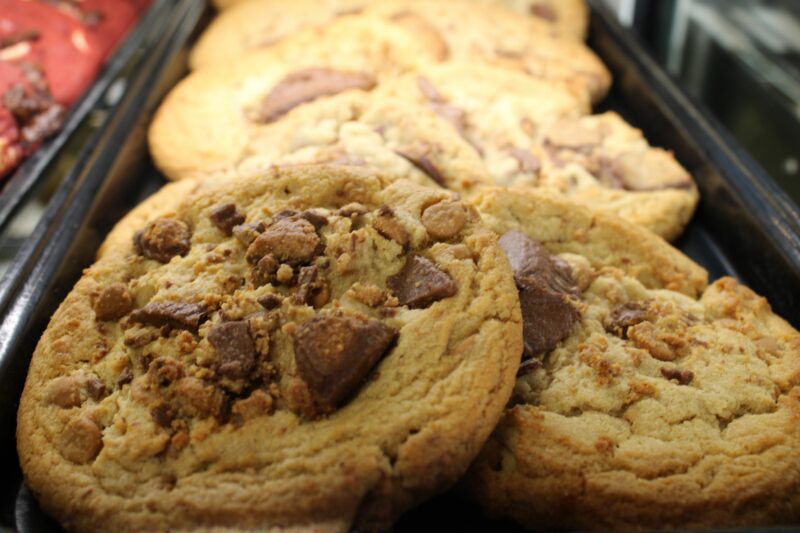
pixel 386 223
pixel 226 217
pixel 624 316
pixel 113 303
pixel 335 352
pixel 545 285
pixel 235 348
pixel 307 85
pixel 175 315
pixel 162 239
pixel 420 283
pixel 417 155
pixel 290 240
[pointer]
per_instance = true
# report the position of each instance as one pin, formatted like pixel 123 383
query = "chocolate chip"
pixel 265 270
pixel 335 352
pixel 417 155
pixel 290 240
pixel 624 316
pixel 444 220
pixel 316 219
pixel 163 239
pixel 226 217
pixel 174 315
pixel 235 348
pixel 126 376
pixel 386 223
pixel 162 414
pixel 113 303
pixel 95 388
pixel 527 161
pixel 684 377
pixel 544 283
pixel 543 11
pixel 270 301
pixel 420 283
pixel 307 85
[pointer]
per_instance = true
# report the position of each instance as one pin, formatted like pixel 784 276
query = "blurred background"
pixel 741 59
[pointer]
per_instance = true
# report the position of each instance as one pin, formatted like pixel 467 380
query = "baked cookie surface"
pixel 641 407
pixel 262 23
pixel 265 356
pixel 536 134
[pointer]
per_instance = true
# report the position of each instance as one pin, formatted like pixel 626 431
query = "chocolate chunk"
pixel 307 85
pixel 163 239
pixel 113 303
pixel 175 315
pixel 417 155
pixel 235 348
pixel 684 377
pixel 386 223
pixel 544 283
pixel 162 414
pixel 226 217
pixel 316 219
pixel 313 289
pixel 527 161
pixel 125 377
pixel 624 316
pixel 290 240
pixel 444 220
pixel 270 301
pixel 95 388
pixel 543 11
pixel 420 283
pixel 335 352
pixel 265 270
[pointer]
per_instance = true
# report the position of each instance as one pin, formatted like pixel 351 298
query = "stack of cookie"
pixel 400 255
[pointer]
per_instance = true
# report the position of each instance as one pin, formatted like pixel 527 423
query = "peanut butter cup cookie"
pixel 311 348
pixel 637 407
pixel 533 133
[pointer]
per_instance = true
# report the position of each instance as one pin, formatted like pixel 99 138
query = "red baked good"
pixel 50 52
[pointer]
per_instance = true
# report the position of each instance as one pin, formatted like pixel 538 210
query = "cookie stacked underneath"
pixel 399 255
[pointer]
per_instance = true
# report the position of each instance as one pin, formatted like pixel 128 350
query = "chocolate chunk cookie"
pixel 650 400
pixel 328 361
pixel 534 133
pixel 208 121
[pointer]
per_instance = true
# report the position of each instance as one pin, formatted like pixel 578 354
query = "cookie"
pixel 399 139
pixel 534 133
pixel 262 23
pixel 266 357
pixel 209 121
pixel 639 407
pixel 478 33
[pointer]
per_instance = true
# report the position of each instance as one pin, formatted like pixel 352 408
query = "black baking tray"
pixel 20 184
pixel 745 226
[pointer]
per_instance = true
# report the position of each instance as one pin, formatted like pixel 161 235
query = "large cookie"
pixel 531 133
pixel 218 118
pixel 479 33
pixel 284 351
pixel 639 407
pixel 261 23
